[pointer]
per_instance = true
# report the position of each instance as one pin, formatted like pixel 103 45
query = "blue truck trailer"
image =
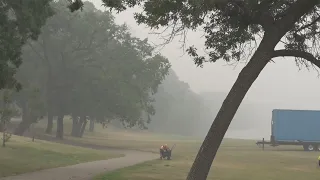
pixel 295 127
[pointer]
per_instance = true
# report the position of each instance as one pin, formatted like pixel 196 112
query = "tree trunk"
pixel 79 126
pixel 49 94
pixel 50 123
pixel 24 124
pixel 75 122
pixel 91 127
pixel 83 127
pixel 211 144
pixel 3 124
pixel 22 128
pixel 1 127
pixel 59 133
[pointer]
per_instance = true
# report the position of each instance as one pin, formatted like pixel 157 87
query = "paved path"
pixel 86 171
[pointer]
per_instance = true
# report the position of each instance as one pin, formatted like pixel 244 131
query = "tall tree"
pixel 30 99
pixel 230 26
pixel 91 67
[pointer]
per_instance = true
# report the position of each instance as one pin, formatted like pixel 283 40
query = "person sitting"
pixel 163 149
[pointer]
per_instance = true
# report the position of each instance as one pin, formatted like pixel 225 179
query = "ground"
pixel 123 139
pixel 22 155
pixel 237 159
pixel 86 171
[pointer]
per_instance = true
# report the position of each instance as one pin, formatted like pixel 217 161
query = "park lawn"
pixel 237 159
pixel 21 155
pixel 136 141
pixel 120 138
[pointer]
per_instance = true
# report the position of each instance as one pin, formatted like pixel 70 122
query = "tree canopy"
pixel 231 26
pixel 85 65
pixel 20 21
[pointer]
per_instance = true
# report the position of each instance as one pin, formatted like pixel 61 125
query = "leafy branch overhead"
pixel 17 26
pixel 232 27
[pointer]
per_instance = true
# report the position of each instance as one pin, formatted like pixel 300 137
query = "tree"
pixel 230 26
pixel 91 68
pixel 7 111
pixel 32 105
pixel 20 21
pixel 30 99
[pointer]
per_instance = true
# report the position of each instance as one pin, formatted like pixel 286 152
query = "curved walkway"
pixel 86 171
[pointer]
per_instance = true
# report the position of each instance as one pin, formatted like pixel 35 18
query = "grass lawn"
pixel 237 159
pixel 22 155
pixel 126 139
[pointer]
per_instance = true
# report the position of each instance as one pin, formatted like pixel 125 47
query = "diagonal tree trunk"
pixel 211 144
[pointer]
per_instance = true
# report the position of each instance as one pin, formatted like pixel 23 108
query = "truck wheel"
pixel 318 147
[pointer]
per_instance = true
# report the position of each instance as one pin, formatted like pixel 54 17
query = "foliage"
pixel 7 111
pixel 8 108
pixel 30 99
pixel 20 21
pixel 89 66
pixel 232 28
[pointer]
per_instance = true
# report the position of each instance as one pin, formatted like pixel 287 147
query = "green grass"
pixel 22 155
pixel 126 139
pixel 237 159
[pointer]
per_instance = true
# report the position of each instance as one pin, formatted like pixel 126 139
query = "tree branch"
pixel 259 15
pixel 294 13
pixel 263 16
pixel 310 24
pixel 298 54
